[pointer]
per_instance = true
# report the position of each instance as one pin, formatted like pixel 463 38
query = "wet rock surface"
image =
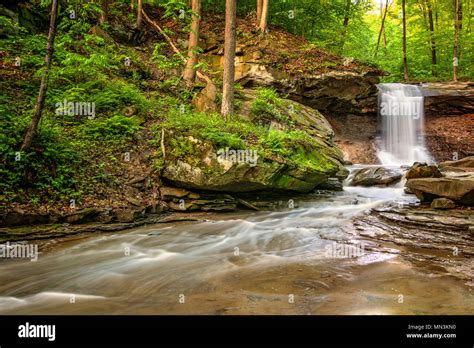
pixel 371 176
pixel 443 238
pixel 455 182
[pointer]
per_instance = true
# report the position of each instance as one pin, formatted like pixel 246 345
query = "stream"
pixel 279 262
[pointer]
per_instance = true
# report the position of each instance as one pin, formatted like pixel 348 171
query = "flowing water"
pixel 401 115
pixel 281 262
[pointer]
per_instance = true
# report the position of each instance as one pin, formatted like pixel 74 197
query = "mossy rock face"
pixel 242 177
pixel 311 161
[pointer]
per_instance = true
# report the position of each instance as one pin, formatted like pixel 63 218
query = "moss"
pixel 185 149
pixel 268 107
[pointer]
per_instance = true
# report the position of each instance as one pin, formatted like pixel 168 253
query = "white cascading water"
pixel 401 113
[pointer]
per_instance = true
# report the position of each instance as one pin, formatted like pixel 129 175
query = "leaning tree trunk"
pixel 189 74
pixel 264 16
pixel 382 28
pixel 33 127
pixel 405 62
pixel 229 57
pixel 384 34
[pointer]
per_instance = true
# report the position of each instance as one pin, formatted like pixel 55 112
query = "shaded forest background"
pixel 352 28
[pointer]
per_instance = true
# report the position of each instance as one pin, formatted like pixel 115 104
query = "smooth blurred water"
pixel 125 272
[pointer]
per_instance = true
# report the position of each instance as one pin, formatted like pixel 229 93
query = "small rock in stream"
pixel 443 203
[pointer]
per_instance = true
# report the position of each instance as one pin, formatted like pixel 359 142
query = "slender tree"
pixel 432 39
pixel 189 74
pixel 382 26
pixel 229 59
pixel 139 14
pixel 456 39
pixel 33 127
pixel 259 11
pixel 405 62
pixel 264 16
pixel 383 30
pixel 469 27
pixel 345 24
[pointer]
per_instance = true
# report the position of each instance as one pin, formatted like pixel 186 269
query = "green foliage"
pixel 275 143
pixel 322 22
pixel 175 9
pixel 51 168
pixel 183 147
pixel 114 128
pixel 268 106
pixel 293 146
pixel 77 20
pixel 71 154
pixel 7 26
pixel 211 127
pixel 162 61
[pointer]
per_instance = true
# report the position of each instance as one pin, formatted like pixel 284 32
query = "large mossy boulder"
pixel 278 145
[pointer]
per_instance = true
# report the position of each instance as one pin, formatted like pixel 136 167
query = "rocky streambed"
pixel 363 250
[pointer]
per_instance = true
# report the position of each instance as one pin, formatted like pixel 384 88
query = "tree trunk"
pixel 469 27
pixel 345 24
pixel 229 59
pixel 405 63
pixel 139 14
pixel 264 16
pixel 31 132
pixel 432 39
pixel 105 10
pixel 259 11
pixel 381 29
pixel 189 74
pixel 456 40
pixel 460 30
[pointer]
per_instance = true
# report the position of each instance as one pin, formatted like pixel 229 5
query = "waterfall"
pixel 401 116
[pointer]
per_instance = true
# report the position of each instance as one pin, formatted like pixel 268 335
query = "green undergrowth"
pixel 293 146
pixel 73 154
pixel 78 155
